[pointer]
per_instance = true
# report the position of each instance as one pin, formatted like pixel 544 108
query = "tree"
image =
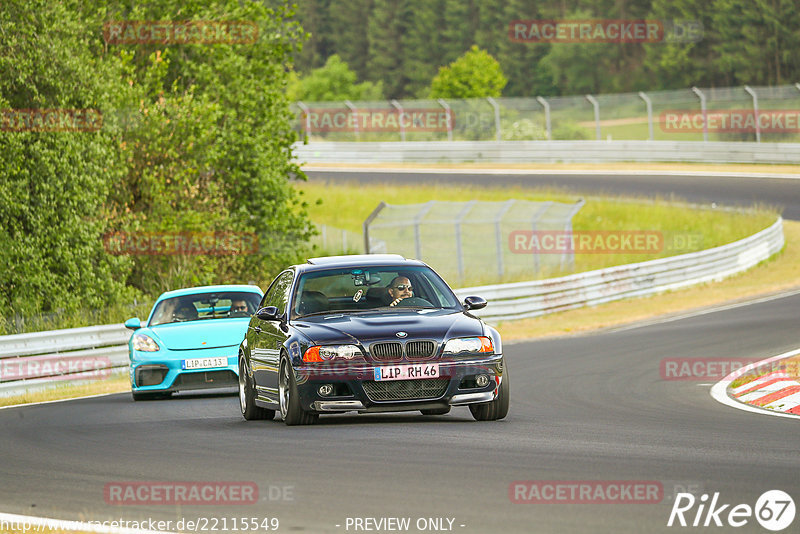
pixel 53 184
pixel 333 82
pixel 195 138
pixel 475 74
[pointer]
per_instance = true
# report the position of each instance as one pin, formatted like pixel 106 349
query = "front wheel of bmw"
pixel 247 398
pixel 496 409
pixel 291 411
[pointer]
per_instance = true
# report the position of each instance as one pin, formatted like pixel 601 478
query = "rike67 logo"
pixel 774 510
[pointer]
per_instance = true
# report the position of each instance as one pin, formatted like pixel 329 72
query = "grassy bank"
pixel 683 228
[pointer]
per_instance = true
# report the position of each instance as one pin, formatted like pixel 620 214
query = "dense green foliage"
pixel 332 82
pixel 194 138
pixel 475 74
pixel 403 43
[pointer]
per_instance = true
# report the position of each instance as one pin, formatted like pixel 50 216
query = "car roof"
pixel 357 260
pixel 210 289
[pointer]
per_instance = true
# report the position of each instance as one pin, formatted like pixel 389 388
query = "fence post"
pixel 703 110
pixel 596 106
pixel 459 251
pixel 499 237
pixel 568 228
pixel 417 237
pixel 449 118
pixel 399 108
pixel 541 211
pixel 546 105
pixel 755 110
pixel 354 111
pixel 649 105
pixel 306 112
pixel 367 222
pixel 496 107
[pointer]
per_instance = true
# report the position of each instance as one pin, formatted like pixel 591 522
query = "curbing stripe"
pixel 771 387
pixel 752 386
pixel 719 391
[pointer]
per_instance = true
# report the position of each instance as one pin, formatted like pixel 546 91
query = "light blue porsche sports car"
pixel 191 340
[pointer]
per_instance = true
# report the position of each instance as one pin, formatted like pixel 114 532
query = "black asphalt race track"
pixel 725 191
pixel 584 408
pixel 591 407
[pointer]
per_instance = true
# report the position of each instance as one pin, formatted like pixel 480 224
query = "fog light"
pixel 326 390
pixel 482 380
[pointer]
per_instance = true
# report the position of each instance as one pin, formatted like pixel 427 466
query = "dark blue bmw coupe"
pixel 368 333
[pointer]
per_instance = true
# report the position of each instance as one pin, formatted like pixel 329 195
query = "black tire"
pixel 289 399
pixel 436 411
pixel 247 398
pixel 498 408
pixel 149 396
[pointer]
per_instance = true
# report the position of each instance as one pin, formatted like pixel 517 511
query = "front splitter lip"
pixel 366 370
pixel 342 406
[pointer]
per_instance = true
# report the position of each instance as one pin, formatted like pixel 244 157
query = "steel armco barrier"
pixel 531 299
pixel 40 359
pixel 506 301
pixel 545 152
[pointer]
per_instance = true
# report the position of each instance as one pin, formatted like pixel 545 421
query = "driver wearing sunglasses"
pixel 400 289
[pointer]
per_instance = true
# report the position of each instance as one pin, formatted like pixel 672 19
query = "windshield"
pixel 205 306
pixel 360 289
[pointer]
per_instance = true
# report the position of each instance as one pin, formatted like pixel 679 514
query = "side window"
pixel 278 294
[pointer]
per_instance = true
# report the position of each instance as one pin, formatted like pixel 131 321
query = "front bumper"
pixel 162 371
pixel 354 388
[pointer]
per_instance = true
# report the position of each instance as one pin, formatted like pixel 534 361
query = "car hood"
pixel 368 327
pixel 208 334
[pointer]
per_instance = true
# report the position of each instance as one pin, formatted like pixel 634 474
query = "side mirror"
pixel 474 303
pixel 268 313
pixel 133 323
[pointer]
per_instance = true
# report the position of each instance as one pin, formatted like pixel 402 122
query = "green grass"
pixel 346 206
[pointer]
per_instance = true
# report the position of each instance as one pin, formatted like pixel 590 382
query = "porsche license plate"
pixel 407 372
pixel 204 363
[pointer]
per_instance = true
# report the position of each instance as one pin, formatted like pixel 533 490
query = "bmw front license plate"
pixel 204 363
pixel 407 372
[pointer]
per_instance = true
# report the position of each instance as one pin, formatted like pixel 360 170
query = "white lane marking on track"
pixel 49 524
pixel 719 391
pixel 60 400
pixel 566 172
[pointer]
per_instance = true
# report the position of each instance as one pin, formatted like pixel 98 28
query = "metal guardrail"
pixel 40 359
pixel 532 299
pixel 545 152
